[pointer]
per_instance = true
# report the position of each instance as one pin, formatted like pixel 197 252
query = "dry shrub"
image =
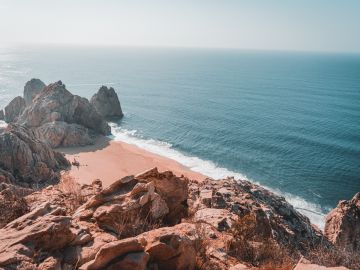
pixel 129 224
pixel 72 189
pixel 265 254
pixel 331 257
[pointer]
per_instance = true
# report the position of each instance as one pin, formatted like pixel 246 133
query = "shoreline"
pixel 110 160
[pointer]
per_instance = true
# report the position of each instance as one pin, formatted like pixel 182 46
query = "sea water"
pixel 289 121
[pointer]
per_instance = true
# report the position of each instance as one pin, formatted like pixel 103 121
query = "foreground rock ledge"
pixel 149 221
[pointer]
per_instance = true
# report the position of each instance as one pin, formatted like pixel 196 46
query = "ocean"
pixel 289 121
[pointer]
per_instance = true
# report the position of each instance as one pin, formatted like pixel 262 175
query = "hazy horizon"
pixel 320 26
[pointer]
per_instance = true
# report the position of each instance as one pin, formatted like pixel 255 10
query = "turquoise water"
pixel 289 121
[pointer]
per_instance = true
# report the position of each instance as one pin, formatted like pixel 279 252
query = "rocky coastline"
pixel 152 220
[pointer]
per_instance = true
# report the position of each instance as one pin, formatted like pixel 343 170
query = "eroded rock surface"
pixel 14 109
pixel 27 159
pixel 2 115
pixel 342 225
pixel 60 134
pixel 154 220
pixel 56 103
pixel 106 102
pixel 31 89
pixel 220 202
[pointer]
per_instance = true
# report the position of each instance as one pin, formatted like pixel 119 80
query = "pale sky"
pixel 310 25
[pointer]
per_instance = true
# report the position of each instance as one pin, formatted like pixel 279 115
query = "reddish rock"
pixel 342 225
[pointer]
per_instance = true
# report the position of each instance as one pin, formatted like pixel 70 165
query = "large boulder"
pixel 59 133
pixel 106 102
pixel 14 109
pixel 56 103
pixel 31 89
pixel 162 249
pixel 342 225
pixel 27 159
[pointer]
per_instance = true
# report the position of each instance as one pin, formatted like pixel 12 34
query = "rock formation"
pixel 61 134
pixel 31 89
pixel 343 224
pixel 14 109
pixel 126 226
pixel 27 159
pixel 106 102
pixel 2 115
pixel 55 103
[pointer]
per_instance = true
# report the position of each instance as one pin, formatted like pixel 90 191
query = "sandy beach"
pixel 110 160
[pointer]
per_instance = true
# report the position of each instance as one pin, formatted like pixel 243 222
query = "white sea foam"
pixel 208 168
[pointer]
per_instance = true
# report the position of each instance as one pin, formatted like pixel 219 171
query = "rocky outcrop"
pixel 31 89
pixel 2 115
pixel 55 103
pixel 28 160
pixel 220 203
pixel 59 133
pixel 132 204
pixel 25 241
pixel 154 220
pixel 342 225
pixel 14 109
pixel 164 248
pixel 106 102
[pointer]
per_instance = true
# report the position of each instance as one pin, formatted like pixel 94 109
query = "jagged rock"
pixel 164 248
pixel 31 89
pixel 2 115
pixel 42 229
pixel 109 252
pixel 14 109
pixel 221 219
pixel 58 134
pixel 12 203
pixel 275 218
pixel 173 189
pixel 106 102
pixel 134 203
pixel 6 177
pixel 342 225
pixel 172 247
pixel 29 160
pixel 55 103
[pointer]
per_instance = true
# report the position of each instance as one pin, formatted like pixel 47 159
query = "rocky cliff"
pixel 155 221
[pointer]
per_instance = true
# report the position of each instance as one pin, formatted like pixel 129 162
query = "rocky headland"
pixel 153 220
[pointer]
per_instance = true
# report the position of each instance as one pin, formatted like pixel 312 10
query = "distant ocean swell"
pixel 313 211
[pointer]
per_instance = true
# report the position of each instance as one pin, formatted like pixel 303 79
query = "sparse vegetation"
pixel 72 189
pixel 265 254
pixel 331 257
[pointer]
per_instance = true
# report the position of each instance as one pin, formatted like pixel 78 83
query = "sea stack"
pixel 106 103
